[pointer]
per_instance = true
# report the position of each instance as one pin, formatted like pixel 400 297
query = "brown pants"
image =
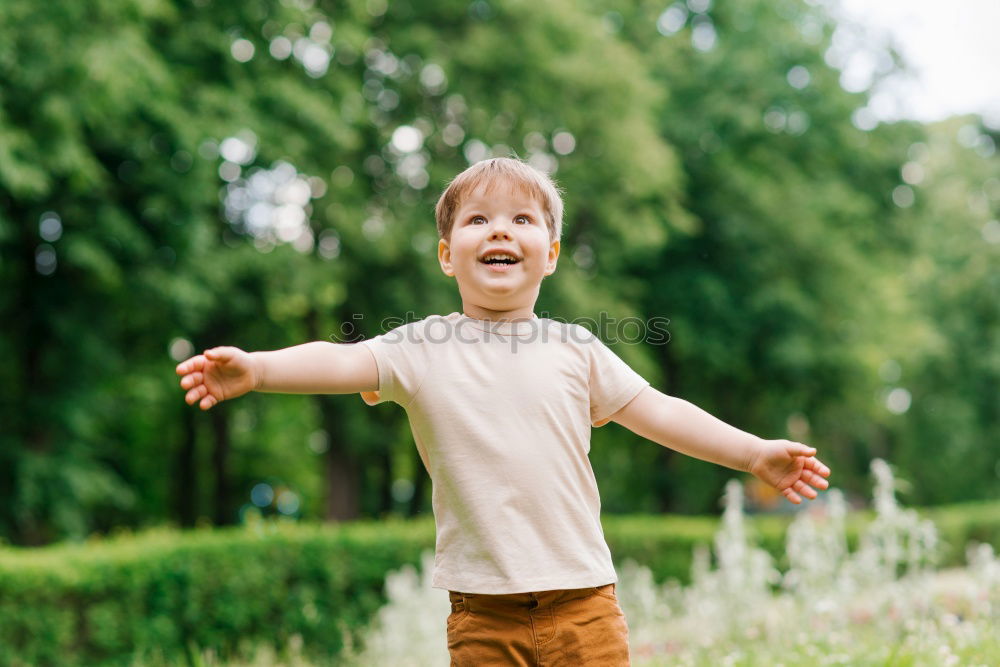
pixel 582 626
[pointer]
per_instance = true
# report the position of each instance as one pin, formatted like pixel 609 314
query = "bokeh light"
pixel 181 349
pixel 991 231
pixel 534 142
pixel 703 35
pixel 280 48
pixel 798 77
pixel 563 143
pixel 452 134
pixel 433 79
pixel 858 72
pixel 583 256
pixel 273 205
pixel 240 149
pixel 50 226
pixel 313 51
pixel 903 196
pixel 342 176
pixel 864 119
pixel 797 123
pixel 475 151
pixel 672 20
pixel 912 173
pixel 45 259
pixel 775 119
pixel 329 244
pixel 373 228
pixel 407 139
pixel 262 494
pixel 287 502
pixel 544 162
pixel 242 50
pixel 319 440
pixel 890 371
pixel 797 425
pixel 402 490
pixel 898 401
pixel 321 32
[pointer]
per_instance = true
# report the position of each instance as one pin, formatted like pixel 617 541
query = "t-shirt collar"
pixel 509 327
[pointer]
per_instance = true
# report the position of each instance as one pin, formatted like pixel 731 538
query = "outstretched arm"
pixel 223 373
pixel 790 467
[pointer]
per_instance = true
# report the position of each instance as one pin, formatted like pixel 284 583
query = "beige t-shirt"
pixel 501 416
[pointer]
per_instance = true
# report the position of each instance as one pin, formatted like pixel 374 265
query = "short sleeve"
pixel 401 358
pixel 613 383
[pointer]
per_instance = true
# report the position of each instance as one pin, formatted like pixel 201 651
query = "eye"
pixel 525 218
pixel 475 220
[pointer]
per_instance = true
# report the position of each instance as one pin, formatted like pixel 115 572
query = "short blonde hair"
pixel 489 173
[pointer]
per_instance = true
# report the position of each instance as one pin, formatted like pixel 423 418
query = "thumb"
pixel 219 354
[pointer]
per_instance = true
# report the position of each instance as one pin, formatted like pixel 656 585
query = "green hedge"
pixel 112 601
pixel 172 593
pixel 665 544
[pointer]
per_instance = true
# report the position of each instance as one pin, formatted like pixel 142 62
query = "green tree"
pixel 778 292
pixel 940 399
pixel 128 123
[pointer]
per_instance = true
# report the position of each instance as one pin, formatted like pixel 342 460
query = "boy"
pixel 501 404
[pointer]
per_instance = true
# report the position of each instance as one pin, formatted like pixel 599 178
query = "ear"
pixel 550 265
pixel 444 257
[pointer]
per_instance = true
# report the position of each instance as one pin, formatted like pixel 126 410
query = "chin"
pixel 500 294
pixel 496 287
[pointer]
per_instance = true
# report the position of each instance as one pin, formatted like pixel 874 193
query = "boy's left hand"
pixel 791 468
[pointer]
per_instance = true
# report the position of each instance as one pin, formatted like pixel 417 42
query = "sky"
pixel 953 47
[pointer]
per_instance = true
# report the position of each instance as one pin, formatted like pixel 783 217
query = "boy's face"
pixel 489 225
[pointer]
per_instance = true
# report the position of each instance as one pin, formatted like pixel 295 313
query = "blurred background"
pixel 816 217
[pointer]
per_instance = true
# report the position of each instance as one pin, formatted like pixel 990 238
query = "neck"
pixel 481 313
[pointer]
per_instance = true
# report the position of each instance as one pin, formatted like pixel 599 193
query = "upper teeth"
pixel 500 256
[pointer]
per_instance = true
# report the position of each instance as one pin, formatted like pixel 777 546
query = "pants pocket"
pixel 607 591
pixel 459 609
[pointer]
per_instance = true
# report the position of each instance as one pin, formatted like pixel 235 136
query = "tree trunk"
pixel 385 481
pixel 186 488
pixel 342 470
pixel 34 430
pixel 420 478
pixel 665 496
pixel 220 455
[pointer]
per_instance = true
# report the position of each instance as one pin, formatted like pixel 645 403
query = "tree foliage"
pixel 180 174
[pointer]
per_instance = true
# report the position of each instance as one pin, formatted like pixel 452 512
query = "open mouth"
pixel 499 261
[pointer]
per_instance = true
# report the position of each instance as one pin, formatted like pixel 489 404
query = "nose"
pixel 499 230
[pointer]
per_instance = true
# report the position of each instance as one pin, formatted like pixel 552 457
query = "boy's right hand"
pixel 219 374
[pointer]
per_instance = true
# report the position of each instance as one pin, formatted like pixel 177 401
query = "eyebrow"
pixel 477 211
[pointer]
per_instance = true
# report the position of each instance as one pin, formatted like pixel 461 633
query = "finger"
pixel 192 380
pixel 195 394
pixel 798 449
pixel 805 489
pixel 813 479
pixel 193 364
pixel 219 354
pixel 817 466
pixel 207 402
pixel 792 496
